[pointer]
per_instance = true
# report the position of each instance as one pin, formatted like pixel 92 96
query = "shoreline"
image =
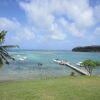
pixel 21 80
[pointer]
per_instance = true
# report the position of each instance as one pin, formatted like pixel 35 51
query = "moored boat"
pixel 79 63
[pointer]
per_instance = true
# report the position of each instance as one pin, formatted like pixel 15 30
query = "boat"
pixel 79 63
pixel 57 60
pixel 23 58
pixel 61 62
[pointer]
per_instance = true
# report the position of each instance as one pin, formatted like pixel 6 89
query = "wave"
pixel 22 58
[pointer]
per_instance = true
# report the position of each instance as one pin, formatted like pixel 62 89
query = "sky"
pixel 50 24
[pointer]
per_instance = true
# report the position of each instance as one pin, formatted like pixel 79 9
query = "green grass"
pixel 67 88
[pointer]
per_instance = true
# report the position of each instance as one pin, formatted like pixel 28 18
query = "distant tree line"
pixel 87 49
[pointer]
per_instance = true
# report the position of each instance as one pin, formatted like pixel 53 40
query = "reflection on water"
pixel 39 64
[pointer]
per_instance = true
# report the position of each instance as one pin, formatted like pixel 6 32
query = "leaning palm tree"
pixel 4 55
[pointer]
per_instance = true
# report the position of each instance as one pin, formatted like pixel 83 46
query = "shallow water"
pixel 26 65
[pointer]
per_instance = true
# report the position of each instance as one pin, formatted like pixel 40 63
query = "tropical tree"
pixel 90 65
pixel 4 55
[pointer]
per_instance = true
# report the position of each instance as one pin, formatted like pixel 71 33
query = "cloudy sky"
pixel 51 24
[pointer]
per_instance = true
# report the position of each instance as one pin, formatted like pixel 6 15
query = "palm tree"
pixel 90 65
pixel 4 55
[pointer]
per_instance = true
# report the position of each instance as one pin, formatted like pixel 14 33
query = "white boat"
pixel 56 60
pixel 61 62
pixel 79 63
pixel 23 58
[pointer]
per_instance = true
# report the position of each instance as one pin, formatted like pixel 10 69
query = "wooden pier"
pixel 71 66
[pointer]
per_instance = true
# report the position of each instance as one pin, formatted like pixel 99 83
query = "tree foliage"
pixel 2 36
pixel 4 55
pixel 90 65
pixel 87 49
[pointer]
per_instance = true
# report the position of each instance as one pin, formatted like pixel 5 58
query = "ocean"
pixel 38 64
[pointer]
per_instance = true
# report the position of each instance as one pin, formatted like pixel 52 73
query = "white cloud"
pixel 24 34
pixel 77 32
pixel 53 19
pixel 21 33
pixel 97 13
pixel 71 28
pixel 57 33
pixel 79 11
pixel 7 24
pixel 97 31
pixel 58 36
pixel 43 14
pixel 27 34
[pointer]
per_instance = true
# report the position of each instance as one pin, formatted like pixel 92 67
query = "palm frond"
pixel 1 60
pixel 10 46
pixel 2 36
pixel 4 55
pixel 4 59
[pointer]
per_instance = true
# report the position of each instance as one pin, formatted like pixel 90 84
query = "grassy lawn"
pixel 66 88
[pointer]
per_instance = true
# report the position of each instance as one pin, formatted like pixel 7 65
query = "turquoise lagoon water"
pixel 26 64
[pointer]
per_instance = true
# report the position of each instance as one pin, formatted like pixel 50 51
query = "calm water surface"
pixel 26 64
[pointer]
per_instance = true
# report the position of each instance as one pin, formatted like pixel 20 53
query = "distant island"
pixel 87 49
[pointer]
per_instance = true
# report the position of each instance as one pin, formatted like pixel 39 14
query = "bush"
pixel 72 74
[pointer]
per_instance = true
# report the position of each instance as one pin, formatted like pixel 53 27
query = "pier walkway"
pixel 71 66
